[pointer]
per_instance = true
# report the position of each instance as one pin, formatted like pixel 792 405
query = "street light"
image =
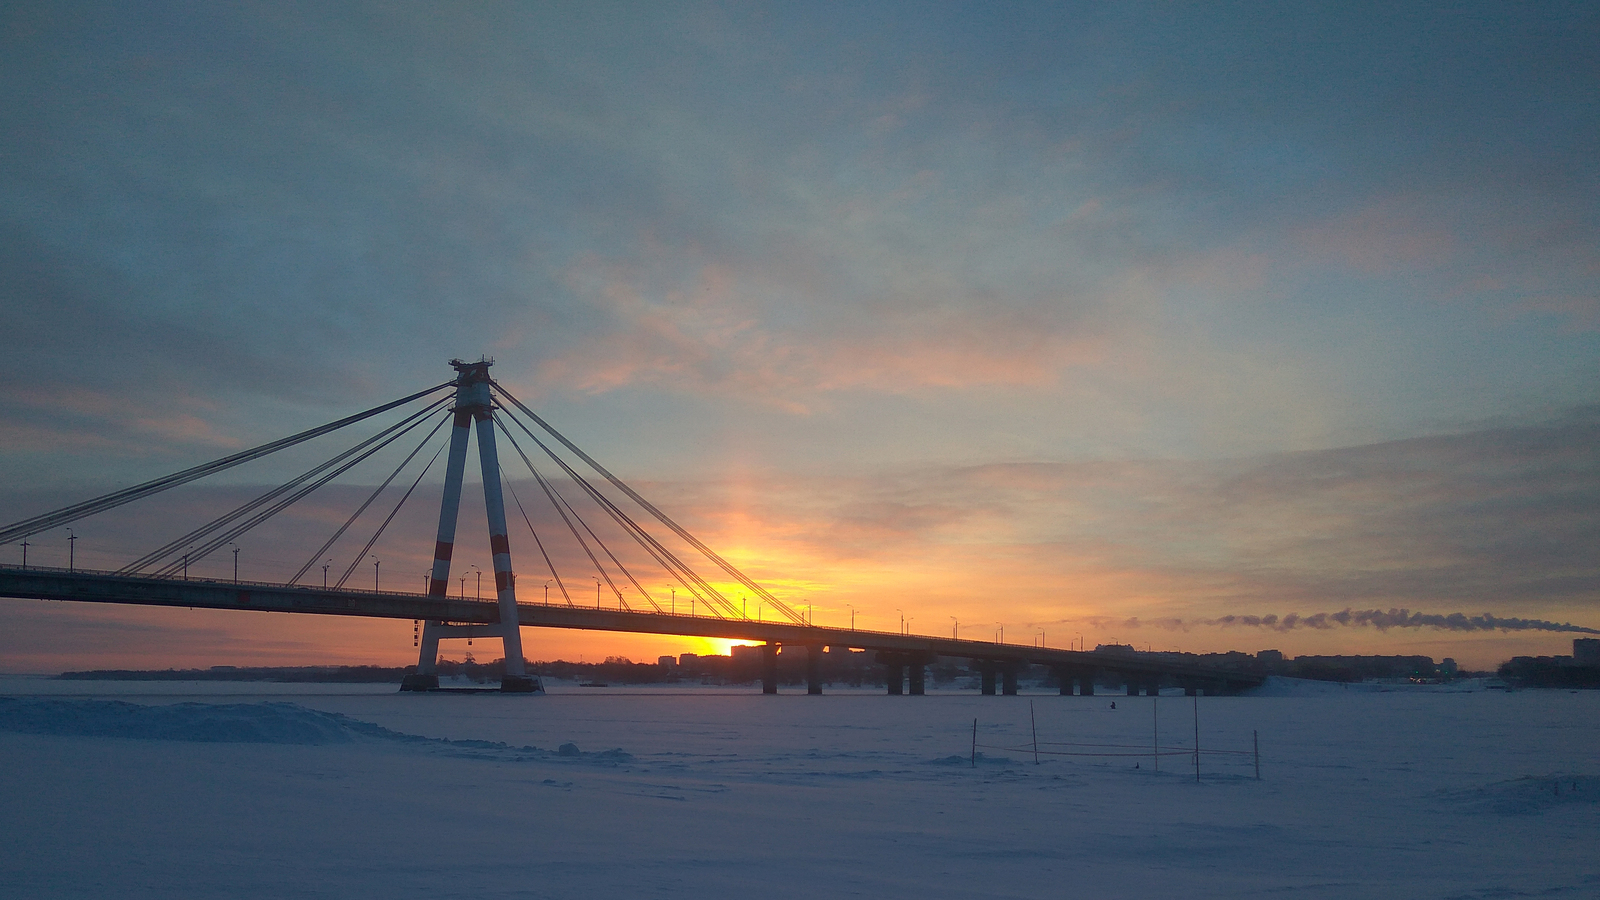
pixel 852 617
pixel 547 592
pixel 463 585
pixel 674 598
pixel 1080 642
pixel 902 619
pixel 325 574
pixel 477 591
pixel 235 562
pixel 186 564
pixel 597 593
pixel 375 563
pixel 24 554
pixel 955 628
pixel 1002 632
pixel 72 551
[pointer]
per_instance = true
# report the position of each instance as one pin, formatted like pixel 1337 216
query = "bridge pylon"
pixel 473 404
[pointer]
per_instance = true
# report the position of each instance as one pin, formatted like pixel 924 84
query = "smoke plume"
pixel 1373 618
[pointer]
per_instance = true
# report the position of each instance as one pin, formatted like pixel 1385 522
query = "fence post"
pixel 1155 731
pixel 1255 744
pixel 974 743
pixel 1034 724
pixel 1197 737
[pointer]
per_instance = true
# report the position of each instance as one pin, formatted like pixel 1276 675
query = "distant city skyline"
pixel 1140 323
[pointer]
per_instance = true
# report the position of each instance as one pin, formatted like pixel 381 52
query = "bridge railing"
pixel 279 585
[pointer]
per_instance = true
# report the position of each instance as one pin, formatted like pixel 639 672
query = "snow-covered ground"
pixel 150 789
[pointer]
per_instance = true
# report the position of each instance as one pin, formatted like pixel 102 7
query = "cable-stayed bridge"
pixel 473 401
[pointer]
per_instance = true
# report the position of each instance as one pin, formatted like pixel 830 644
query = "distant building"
pixel 1270 656
pixel 1116 649
pixel 1586 651
pixel 688 660
pixel 667 662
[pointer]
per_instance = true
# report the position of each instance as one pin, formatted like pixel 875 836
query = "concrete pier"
pixel 896 678
pixel 917 675
pixel 769 668
pixel 986 671
pixel 1008 681
pixel 813 669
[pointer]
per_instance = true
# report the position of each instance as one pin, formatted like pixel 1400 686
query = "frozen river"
pixel 260 790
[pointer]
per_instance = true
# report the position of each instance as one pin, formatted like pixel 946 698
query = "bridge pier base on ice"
pixel 769 668
pixel 986 676
pixel 899 664
pixel 1008 680
pixel 813 668
pixel 1084 678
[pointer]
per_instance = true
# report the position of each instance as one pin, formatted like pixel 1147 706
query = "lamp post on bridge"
pixel 955 629
pixel 477 590
pixel 902 619
pixel 186 564
pixel 375 563
pixel 547 592
pixel 24 554
pixel 72 552
pixel 852 617
pixel 235 562
pixel 325 574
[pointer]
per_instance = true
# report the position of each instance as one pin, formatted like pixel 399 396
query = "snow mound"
pixel 240 723
pixel 1534 793
pixel 231 723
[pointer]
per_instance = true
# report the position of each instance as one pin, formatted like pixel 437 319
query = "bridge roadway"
pixel 900 652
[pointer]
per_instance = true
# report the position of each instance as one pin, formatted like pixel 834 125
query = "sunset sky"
pixel 1101 320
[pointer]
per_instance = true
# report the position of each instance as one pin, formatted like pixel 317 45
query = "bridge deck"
pixel 107 587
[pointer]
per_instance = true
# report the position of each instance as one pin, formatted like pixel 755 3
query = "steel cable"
pixel 69 514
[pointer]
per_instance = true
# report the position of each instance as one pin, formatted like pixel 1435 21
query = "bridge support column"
pixel 1008 684
pixel 917 671
pixel 1133 686
pixel 473 403
pixel 813 668
pixel 896 677
pixel 986 672
pixel 769 668
pixel 1152 688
